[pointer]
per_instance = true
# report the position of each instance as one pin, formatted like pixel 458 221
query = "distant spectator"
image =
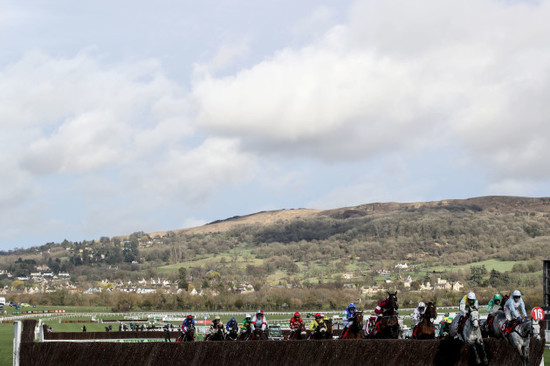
pixel 167 333
pixel 84 329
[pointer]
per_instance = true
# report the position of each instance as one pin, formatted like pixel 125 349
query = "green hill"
pixel 306 248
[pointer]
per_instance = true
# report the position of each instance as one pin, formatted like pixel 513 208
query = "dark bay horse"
pixel 188 336
pixel 298 333
pixel 425 328
pixel 217 335
pixel 355 330
pixel 258 334
pixel 324 331
pixel 246 334
pixel 387 325
pixel 233 333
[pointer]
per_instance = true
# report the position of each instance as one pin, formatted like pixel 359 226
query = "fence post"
pixel 16 341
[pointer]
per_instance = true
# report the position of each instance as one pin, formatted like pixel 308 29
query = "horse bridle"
pixel 527 331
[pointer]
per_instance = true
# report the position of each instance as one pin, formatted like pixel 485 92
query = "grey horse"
pixel 470 335
pixel 520 337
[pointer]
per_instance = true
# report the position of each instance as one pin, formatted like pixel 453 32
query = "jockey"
pixel 467 303
pixel 512 307
pixel 232 323
pixel 494 304
pixel 259 321
pixel 349 315
pixel 188 323
pixel 316 323
pixel 383 306
pixel 246 323
pixel 445 326
pixel 216 325
pixel 296 321
pixel 418 313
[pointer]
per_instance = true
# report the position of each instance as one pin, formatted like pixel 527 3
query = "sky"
pixel 122 116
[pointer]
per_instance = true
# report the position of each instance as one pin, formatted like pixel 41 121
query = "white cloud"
pixel 194 175
pixel 401 74
pixel 107 140
pixel 316 23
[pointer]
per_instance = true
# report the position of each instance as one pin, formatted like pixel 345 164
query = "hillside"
pixel 491 204
pixel 483 242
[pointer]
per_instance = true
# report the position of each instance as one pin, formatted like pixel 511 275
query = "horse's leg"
pixel 524 352
pixel 483 351
pixel 476 353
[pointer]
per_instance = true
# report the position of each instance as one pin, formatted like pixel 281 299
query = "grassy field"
pixel 243 259
pixel 501 266
pixel 6 344
pixel 69 309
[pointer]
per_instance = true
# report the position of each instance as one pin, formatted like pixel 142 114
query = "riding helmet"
pixel 471 296
pixel 296 314
pixel 516 293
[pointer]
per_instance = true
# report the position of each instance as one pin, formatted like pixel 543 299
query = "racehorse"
pixel 233 333
pixel 425 328
pixel 520 335
pixel 257 334
pixel 387 325
pixel 298 333
pixel 217 335
pixel 355 330
pixel 246 333
pixel 470 334
pixel 188 336
pixel 487 328
pixel 324 331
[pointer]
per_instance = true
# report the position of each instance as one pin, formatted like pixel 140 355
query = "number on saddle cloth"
pixel 508 327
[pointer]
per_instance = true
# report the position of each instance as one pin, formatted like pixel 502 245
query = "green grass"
pixel 546 357
pixel 501 266
pixel 242 261
pixel 68 309
pixel 6 344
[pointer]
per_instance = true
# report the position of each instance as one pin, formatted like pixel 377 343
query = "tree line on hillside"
pixel 441 236
pixel 279 299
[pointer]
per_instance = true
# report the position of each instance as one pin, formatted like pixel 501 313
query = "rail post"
pixel 16 341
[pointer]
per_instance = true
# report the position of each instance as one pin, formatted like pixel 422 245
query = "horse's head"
pixel 505 298
pixel 431 311
pixel 535 329
pixel 392 300
pixel 328 324
pixel 359 317
pixel 474 317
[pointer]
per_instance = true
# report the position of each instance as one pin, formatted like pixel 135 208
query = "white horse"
pixel 470 334
pixel 520 337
